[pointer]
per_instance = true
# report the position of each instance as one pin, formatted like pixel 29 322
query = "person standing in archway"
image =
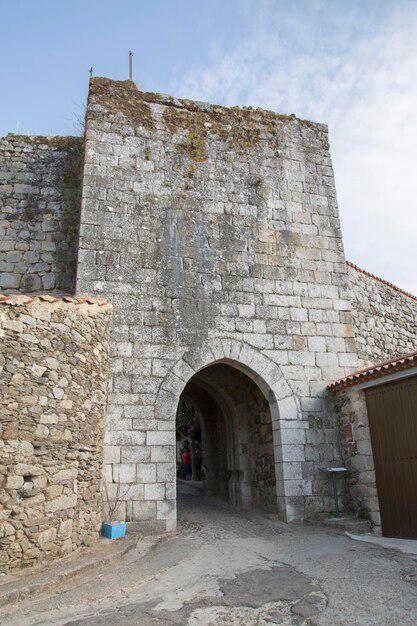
pixel 186 459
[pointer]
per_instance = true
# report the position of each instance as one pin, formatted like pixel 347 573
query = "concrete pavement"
pixel 224 567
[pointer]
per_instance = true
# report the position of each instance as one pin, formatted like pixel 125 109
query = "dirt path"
pixel 237 568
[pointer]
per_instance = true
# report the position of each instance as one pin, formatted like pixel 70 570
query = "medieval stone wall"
pixel 207 226
pixel 215 234
pixel 53 379
pixel 385 317
pixel 40 187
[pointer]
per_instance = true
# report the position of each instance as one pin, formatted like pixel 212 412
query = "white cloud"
pixel 361 81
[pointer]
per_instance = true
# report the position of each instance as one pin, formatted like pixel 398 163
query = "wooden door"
pixel 392 412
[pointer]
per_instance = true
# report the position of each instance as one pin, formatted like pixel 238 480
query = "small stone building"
pixel 214 234
pixel 378 409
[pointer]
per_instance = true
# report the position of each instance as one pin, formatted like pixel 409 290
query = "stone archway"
pixel 237 448
pixel 284 409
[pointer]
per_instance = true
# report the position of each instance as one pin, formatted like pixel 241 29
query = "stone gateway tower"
pixel 215 234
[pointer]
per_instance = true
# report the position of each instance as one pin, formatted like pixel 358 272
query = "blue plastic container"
pixel 114 530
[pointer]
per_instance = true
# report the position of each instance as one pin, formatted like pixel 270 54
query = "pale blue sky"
pixel 350 64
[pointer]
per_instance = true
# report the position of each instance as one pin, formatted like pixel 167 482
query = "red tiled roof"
pixel 17 299
pixel 398 364
pixel 381 280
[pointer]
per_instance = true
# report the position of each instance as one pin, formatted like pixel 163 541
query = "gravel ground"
pixel 230 567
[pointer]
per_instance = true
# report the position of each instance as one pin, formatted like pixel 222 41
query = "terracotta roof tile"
pixel 379 370
pixel 86 299
pixel 48 298
pixel 23 299
pixel 17 299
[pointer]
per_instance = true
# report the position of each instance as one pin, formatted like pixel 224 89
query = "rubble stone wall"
pixel 53 379
pixel 385 318
pixel 40 189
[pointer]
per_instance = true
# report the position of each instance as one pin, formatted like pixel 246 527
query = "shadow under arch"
pixel 207 400
pixel 267 376
pixel 238 447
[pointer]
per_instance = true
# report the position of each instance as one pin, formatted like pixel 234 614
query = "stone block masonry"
pixel 53 383
pixel 385 317
pixel 40 189
pixel 214 232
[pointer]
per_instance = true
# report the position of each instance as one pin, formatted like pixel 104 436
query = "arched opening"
pixel 225 420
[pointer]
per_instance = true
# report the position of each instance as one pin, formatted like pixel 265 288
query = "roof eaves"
pixel 379 370
pixel 17 299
